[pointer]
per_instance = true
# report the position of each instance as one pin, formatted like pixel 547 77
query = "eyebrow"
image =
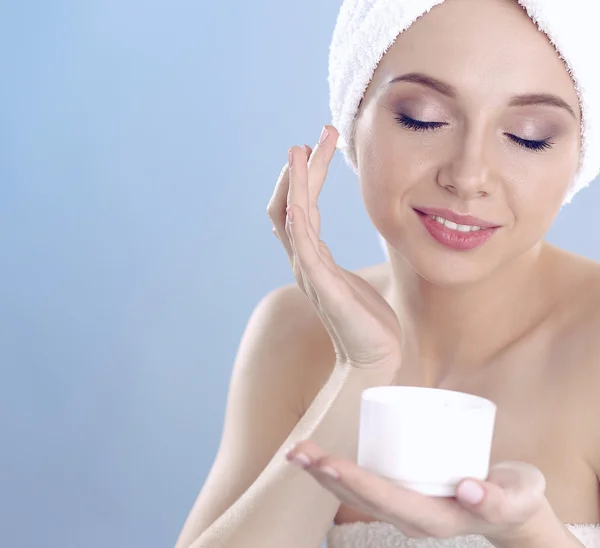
pixel 541 99
pixel 450 91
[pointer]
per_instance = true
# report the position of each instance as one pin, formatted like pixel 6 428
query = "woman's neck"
pixel 462 327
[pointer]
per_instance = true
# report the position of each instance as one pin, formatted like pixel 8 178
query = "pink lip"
pixel 454 239
pixel 456 217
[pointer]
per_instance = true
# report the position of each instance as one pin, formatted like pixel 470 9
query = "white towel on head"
pixel 366 29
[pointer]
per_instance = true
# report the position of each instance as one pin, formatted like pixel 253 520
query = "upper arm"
pixel 277 364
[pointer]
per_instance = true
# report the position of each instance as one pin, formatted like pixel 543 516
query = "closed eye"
pixel 417 125
pixel 420 125
pixel 529 144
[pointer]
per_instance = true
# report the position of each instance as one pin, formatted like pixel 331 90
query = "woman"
pixel 467 141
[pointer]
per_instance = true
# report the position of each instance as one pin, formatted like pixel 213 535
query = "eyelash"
pixel 531 145
pixel 418 125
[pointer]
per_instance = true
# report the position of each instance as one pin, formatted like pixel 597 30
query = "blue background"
pixel 139 146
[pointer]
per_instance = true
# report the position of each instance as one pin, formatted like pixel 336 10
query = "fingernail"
pixel 290 448
pixel 302 460
pixel 324 134
pixel 290 157
pixel 290 215
pixel 329 471
pixel 470 492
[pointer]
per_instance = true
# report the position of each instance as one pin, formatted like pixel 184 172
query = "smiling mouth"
pixel 466 235
pixel 454 226
pixel 455 221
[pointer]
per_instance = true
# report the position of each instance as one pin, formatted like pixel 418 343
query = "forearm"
pixel 285 506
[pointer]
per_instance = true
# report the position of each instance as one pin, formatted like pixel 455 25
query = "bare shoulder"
pixel 297 317
pixel 578 291
pixel 576 345
pixel 284 358
pixel 310 353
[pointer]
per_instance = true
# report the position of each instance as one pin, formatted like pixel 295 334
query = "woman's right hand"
pixel 362 326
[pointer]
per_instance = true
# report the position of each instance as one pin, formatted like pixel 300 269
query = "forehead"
pixel 485 47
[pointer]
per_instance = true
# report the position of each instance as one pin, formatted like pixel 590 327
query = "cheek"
pixel 535 199
pixel 538 183
pixel 390 163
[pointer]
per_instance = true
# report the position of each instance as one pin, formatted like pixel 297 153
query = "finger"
pixel 278 212
pixel 320 464
pixel 439 516
pixel 318 165
pixel 322 474
pixel 334 294
pixel 276 209
pixel 512 493
pixel 307 447
pixel 299 274
pixel 327 477
pixel 306 286
pixel 323 281
pixel 308 455
pixel 300 194
pixel 320 159
pixel 298 178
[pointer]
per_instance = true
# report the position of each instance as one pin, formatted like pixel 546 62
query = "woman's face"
pixel 471 111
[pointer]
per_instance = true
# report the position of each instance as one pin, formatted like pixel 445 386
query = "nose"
pixel 467 173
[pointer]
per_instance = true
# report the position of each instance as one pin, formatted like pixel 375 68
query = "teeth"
pixel 455 226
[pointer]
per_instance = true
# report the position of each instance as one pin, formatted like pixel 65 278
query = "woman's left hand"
pixel 509 508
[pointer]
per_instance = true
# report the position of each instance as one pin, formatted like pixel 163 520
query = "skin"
pixel 486 51
pixel 515 321
pixel 493 313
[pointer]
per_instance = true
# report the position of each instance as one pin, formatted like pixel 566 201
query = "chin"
pixel 446 271
pixel 445 267
pixel 442 266
pixel 446 257
pixel 450 272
